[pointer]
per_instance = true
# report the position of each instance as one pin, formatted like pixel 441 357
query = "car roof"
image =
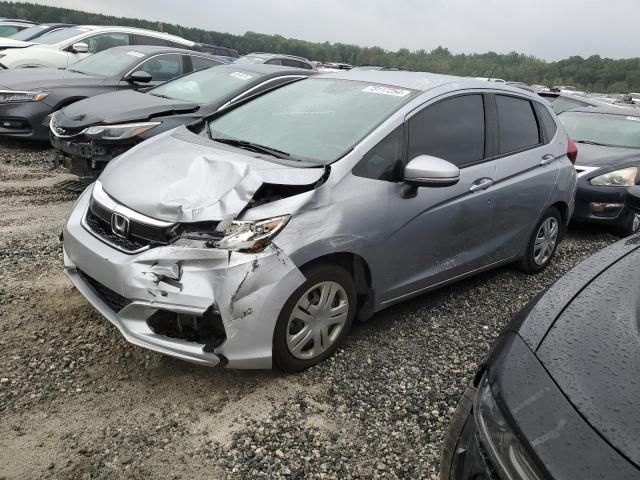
pixel 275 70
pixel 276 55
pixel 140 31
pixel 155 49
pixel 621 110
pixel 420 81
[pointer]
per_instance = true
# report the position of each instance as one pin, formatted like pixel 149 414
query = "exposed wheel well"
pixel 361 274
pixel 563 208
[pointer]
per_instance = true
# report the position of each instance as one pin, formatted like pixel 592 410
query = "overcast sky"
pixel 549 29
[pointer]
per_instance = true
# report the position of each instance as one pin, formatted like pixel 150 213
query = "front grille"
pixel 140 236
pixel 115 301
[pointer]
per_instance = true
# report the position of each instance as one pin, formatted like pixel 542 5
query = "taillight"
pixel 572 151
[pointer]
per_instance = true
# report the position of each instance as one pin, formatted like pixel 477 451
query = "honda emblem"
pixel 120 225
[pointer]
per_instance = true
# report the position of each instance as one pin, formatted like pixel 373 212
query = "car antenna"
pixel 492 72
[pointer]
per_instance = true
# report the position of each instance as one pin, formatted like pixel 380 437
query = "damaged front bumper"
pixel 235 297
pixel 86 158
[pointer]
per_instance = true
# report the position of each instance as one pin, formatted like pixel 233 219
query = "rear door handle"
pixel 547 159
pixel 481 184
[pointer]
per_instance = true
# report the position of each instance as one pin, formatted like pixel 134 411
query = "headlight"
pixel 501 443
pixel 241 236
pixel 15 96
pixel 625 177
pixel 119 132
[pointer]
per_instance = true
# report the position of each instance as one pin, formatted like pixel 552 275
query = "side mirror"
pixel 80 47
pixel 632 199
pixel 428 171
pixel 139 77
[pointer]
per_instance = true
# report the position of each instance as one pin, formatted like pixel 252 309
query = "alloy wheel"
pixel 317 320
pixel 546 240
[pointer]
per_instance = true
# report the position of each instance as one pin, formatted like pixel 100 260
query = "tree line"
pixel 594 74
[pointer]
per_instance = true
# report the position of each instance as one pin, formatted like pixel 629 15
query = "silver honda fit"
pixel 260 240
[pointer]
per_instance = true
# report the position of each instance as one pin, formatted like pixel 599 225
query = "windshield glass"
pixel 614 130
pixel 316 120
pixel 250 59
pixel 108 63
pixel 206 86
pixel 27 33
pixel 60 35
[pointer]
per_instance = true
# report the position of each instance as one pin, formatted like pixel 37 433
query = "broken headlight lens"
pixel 498 438
pixel 250 236
pixel 119 132
pixel 15 96
pixel 625 177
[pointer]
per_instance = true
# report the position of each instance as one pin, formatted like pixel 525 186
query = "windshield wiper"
pixel 274 152
pixel 589 142
pixel 161 96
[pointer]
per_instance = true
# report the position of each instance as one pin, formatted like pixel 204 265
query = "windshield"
pixel 250 59
pixel 601 128
pixel 205 86
pixel 58 36
pixel 316 120
pixel 108 63
pixel 28 33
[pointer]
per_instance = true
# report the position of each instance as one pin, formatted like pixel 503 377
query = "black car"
pixel 90 133
pixel 558 396
pixel 608 163
pixel 29 95
pixel 32 33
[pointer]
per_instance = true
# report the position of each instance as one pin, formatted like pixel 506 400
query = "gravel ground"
pixel 78 402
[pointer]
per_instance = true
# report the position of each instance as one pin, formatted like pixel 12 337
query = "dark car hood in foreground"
pixel 598 156
pixel 593 353
pixel 119 107
pixel 43 78
pixel 178 176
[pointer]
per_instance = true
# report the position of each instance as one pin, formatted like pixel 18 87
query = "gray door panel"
pixel 439 234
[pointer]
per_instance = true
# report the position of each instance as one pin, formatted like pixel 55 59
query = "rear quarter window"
pixel 548 124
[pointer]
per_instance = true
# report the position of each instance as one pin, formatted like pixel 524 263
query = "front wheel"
pixel 543 242
pixel 315 319
pixel 631 226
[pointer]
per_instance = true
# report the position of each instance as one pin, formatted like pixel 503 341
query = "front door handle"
pixel 547 159
pixel 481 184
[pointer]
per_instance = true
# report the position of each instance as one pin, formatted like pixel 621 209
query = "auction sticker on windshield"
pixel 396 92
pixel 241 76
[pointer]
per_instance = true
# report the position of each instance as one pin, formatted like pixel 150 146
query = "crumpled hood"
pixel 593 353
pixel 119 107
pixel 44 78
pixel 598 155
pixel 178 176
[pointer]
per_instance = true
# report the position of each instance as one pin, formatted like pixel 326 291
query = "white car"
pixel 62 48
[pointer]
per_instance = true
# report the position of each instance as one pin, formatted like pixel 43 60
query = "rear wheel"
pixel 543 242
pixel 315 319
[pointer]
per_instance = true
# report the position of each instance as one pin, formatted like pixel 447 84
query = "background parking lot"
pixel 77 401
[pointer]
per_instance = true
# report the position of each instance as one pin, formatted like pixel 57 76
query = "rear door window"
pixel 200 63
pixel 517 124
pixel 163 67
pixel 147 40
pixel 452 129
pixel 104 41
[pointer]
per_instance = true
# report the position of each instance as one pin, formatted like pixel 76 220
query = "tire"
pixel 324 326
pixel 454 431
pixel 533 262
pixel 631 226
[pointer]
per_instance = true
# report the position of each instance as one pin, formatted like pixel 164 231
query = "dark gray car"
pixel 88 134
pixel 29 95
